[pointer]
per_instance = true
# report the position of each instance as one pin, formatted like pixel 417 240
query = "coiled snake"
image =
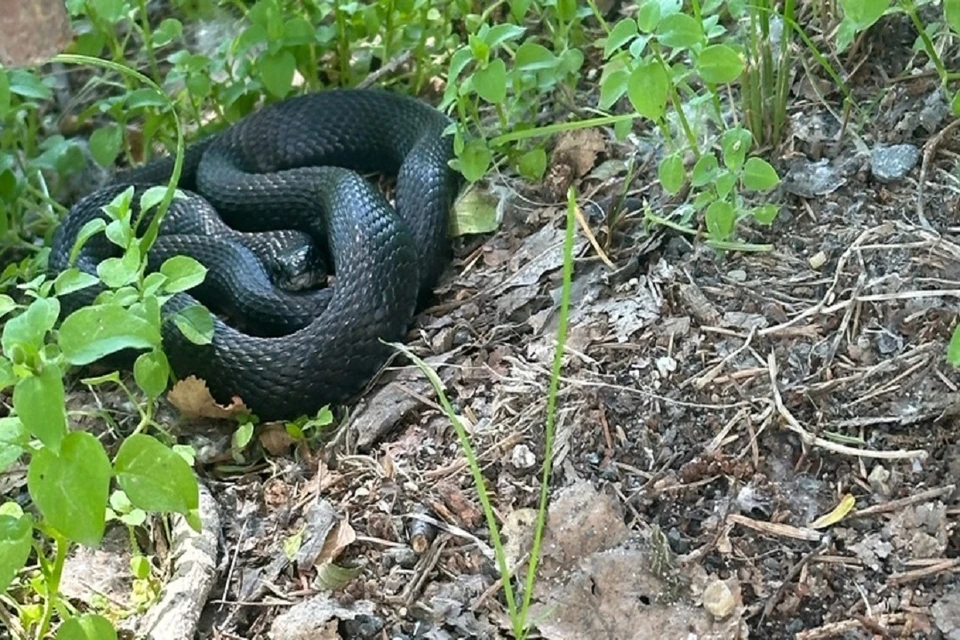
pixel 292 165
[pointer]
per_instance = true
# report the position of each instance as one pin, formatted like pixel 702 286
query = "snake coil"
pixel 293 165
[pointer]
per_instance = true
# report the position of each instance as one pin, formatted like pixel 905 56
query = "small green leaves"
pixel 622 32
pixel 71 489
pixel 719 64
pixel 720 218
pixel 151 371
pixel 183 273
pixel 90 333
pixel 759 175
pixel 953 349
pixel 196 324
pixel 88 626
pixel 39 402
pixel 157 479
pixel 647 89
pixel 681 31
pixel 16 536
pixel 672 173
pixel 105 144
pixel 475 159
pixel 276 72
pixel 490 83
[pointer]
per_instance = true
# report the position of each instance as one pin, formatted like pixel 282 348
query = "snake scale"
pixel 294 165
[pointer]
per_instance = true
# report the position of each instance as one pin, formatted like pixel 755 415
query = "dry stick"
pixel 703 380
pixel 794 570
pixel 930 150
pixel 809 439
pixel 918 574
pixel 895 505
pixel 828 296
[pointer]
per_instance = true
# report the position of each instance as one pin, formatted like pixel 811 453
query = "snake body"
pixel 293 165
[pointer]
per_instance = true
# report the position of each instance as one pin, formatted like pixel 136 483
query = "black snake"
pixel 293 165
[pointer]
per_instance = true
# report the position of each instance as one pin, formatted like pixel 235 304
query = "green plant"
pixel 519 613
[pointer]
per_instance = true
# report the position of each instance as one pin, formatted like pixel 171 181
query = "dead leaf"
pixel 276 440
pixel 579 149
pixel 193 400
pixel 340 537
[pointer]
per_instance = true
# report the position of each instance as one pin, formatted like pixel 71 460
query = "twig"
pixel 929 151
pixel 809 439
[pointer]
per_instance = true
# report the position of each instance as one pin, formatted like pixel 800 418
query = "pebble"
pixel 718 599
pixel 892 163
pixel 522 457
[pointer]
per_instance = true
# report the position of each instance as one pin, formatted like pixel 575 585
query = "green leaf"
pixel 152 197
pixel 622 33
pixel 72 280
pixel 612 87
pixel 4 93
pixel 766 214
pixel 490 83
pixel 196 324
pixel 531 56
pixel 119 272
pixel 89 229
pixel 475 160
pixel 736 143
pixel 533 164
pixel 951 13
pixel 30 327
pixel 89 626
pixel 39 402
pixel 725 182
pixel 759 175
pixel 109 10
pixel 719 64
pixel 16 537
pixel 953 349
pixel 680 31
pixel 647 90
pixel 105 144
pixel 155 478
pixel 863 13
pixel 90 333
pixel 71 489
pixel 151 371
pixel 705 170
pixel 500 33
pixel 14 440
pixel 648 17
pixel 182 272
pixel 147 97
pixel 242 436
pixel 276 72
pixel 672 173
pixel 7 304
pixel 721 218
pixel 167 31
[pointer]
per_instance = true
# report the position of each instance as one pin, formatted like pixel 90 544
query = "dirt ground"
pixel 712 409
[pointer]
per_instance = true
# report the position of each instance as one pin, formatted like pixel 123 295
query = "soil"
pixel 713 409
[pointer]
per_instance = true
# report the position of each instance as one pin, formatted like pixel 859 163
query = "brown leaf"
pixel 340 537
pixel 579 149
pixel 276 440
pixel 32 32
pixel 192 398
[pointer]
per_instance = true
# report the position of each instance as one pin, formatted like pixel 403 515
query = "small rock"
pixel 812 179
pixel 889 164
pixel 879 480
pixel 522 457
pixel 719 600
pixel 666 365
pixel 946 614
pixel 738 275
pixel 817 260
